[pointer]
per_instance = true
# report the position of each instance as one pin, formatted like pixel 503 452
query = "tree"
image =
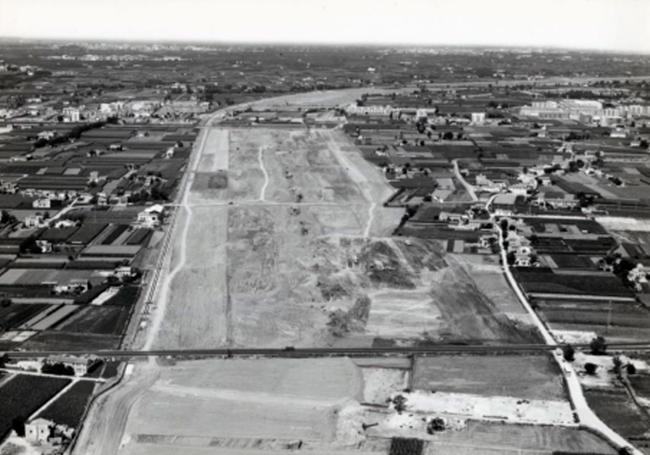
pixel 5 302
pixel 436 424
pixel 630 368
pixel 4 358
pixel 7 217
pixel 448 136
pixel 400 403
pixel 57 368
pixel 569 353
pixel 590 368
pixel 598 346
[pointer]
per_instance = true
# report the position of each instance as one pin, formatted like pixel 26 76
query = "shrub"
pixel 569 353
pixel 598 346
pixel 590 368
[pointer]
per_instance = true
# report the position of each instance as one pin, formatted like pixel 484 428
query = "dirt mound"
pixel 382 266
pixel 343 322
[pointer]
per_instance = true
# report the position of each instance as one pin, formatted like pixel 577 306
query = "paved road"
pixel 586 416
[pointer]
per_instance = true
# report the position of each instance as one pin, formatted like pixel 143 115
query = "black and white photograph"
pixel 324 227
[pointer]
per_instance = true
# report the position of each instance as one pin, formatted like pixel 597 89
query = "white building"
pixel 150 217
pixel 71 114
pixel 478 118
pixel 38 430
pixel 42 204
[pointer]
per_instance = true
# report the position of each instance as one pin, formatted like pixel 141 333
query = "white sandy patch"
pixel 379 384
pixel 550 412
pixel 605 375
pixel 573 336
pixel 105 296
pixel 15 445
pixel 624 224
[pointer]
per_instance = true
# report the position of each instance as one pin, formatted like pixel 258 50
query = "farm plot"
pixel 103 320
pixel 16 314
pixel 69 408
pixel 49 318
pixel 70 341
pixel 619 412
pixel 484 438
pixel 24 394
pixel 490 375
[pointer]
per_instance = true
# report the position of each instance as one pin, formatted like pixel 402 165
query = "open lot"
pixel 238 400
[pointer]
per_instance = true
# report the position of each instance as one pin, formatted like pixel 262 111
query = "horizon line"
pixel 225 42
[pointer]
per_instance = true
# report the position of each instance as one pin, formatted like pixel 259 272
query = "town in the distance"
pixel 266 249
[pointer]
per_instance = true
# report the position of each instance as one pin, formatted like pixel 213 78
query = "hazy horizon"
pixel 589 25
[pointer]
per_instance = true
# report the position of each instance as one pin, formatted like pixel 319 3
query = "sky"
pixel 609 25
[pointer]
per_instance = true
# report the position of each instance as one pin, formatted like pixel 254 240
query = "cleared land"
pixel 238 400
pixel 287 246
pixel 267 406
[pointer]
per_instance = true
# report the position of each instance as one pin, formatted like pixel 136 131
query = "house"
pixel 454 214
pixel 556 198
pixel 64 223
pixel 79 364
pixel 523 256
pixel 123 272
pixel 74 286
pixel 38 430
pixel 44 246
pixel 478 118
pixel 43 203
pixel 33 221
pixel 150 217
pixel 504 204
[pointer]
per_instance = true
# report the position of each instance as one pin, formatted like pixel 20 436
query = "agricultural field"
pixel 24 394
pixel 102 320
pixel 491 375
pixel 619 412
pixel 485 438
pixel 71 341
pixel 14 315
pixel 69 408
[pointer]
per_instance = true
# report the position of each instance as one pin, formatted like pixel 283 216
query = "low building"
pixel 478 118
pixel 43 203
pixel 80 365
pixel 38 430
pixel 504 204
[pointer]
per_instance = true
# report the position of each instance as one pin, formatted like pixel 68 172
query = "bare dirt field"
pixel 196 313
pixel 237 401
pixel 289 246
